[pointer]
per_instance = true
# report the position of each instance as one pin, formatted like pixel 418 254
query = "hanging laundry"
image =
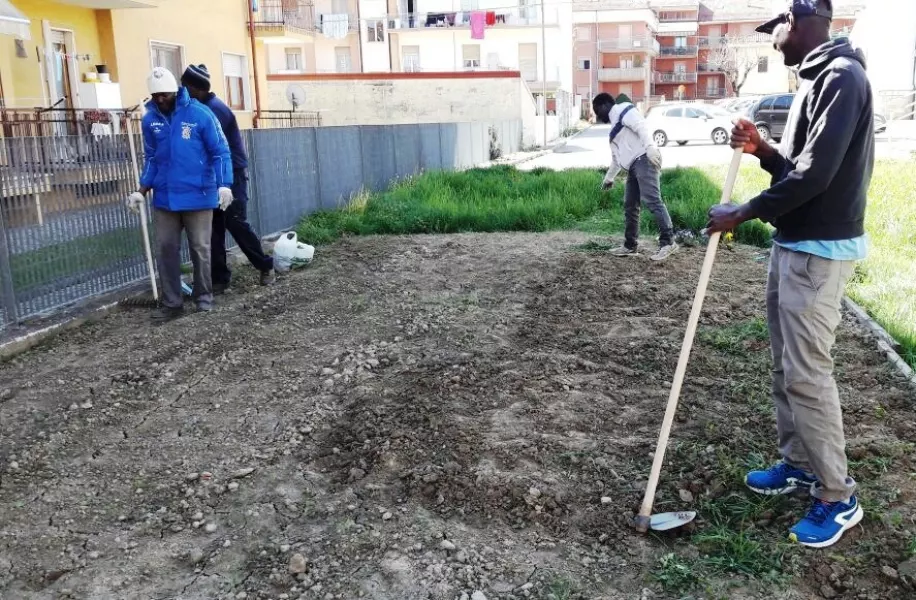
pixel 491 18
pixel 477 24
pixel 335 26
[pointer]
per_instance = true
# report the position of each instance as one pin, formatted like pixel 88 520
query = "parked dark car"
pixel 771 113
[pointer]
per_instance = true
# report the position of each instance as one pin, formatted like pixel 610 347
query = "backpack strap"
pixel 619 126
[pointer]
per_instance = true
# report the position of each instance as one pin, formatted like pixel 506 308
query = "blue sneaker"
pixel 826 522
pixel 779 479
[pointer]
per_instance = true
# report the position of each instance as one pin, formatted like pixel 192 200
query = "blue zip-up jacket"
pixel 230 126
pixel 187 156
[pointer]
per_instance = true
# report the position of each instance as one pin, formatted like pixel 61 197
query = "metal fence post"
pixel 7 291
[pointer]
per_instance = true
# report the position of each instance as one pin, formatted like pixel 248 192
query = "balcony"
pixel 524 16
pixel 709 69
pixel 285 21
pixel 638 44
pixel 712 93
pixel 631 74
pixel 676 77
pixel 678 51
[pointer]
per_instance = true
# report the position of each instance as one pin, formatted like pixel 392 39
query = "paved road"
pixel 590 149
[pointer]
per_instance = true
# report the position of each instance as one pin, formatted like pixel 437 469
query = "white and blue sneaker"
pixel 826 523
pixel 779 479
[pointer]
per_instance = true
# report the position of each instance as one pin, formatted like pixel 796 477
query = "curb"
pixel 28 341
pixel 886 343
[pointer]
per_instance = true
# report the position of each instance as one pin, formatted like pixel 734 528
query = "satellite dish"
pixel 295 94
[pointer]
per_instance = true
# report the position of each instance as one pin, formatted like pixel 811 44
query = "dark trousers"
pixel 643 188
pixel 235 220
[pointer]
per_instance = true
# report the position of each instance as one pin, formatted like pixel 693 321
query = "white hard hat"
pixel 161 81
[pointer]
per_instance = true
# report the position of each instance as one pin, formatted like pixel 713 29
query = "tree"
pixel 735 60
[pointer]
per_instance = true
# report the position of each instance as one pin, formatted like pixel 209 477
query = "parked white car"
pixel 684 123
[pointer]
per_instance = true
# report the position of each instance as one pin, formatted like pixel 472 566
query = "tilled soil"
pixel 466 416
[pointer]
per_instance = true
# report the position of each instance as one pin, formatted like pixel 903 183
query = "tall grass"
pixel 506 199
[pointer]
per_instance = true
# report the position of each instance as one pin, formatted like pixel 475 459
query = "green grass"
pixel 735 339
pixel 33 269
pixel 505 199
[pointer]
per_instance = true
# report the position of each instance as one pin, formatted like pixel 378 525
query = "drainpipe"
pixel 254 66
pixel 359 37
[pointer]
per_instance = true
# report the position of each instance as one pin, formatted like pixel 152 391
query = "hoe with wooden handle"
pixel 645 521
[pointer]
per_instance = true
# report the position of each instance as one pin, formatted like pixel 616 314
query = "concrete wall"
pixel 388 99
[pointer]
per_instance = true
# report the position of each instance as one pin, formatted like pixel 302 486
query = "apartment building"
pixel 52 59
pixel 408 36
pixel 681 49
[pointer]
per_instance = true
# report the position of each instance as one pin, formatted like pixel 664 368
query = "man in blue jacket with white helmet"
pixel 188 167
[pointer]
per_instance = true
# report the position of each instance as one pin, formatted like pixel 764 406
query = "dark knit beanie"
pixel 197 76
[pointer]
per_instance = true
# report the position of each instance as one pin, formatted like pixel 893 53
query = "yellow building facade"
pixel 70 38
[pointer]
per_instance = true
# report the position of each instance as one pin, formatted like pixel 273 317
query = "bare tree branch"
pixel 736 58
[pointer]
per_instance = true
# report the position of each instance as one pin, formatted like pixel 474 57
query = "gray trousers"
pixel 198 226
pixel 804 293
pixel 643 188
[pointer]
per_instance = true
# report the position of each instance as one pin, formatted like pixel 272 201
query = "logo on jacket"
pixel 185 132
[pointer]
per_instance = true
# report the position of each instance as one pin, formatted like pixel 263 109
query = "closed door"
pixel 411 59
pixel 673 123
pixel 626 62
pixel 528 61
pixel 342 54
pixel 715 35
pixel 695 124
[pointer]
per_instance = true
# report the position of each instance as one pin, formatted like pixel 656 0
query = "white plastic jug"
pixel 289 252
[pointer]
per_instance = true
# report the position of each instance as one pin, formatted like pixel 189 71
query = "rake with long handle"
pixel 643 520
pixel 143 222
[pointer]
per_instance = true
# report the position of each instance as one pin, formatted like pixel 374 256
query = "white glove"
pixel 135 201
pixel 655 156
pixel 225 198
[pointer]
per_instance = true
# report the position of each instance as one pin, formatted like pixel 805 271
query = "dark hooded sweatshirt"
pixel 823 169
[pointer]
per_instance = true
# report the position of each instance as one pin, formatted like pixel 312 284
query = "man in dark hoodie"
pixel 816 202
pixel 196 79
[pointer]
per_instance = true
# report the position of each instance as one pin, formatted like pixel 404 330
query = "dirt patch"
pixel 428 417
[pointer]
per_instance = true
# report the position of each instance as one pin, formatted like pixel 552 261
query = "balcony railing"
pixel 713 93
pixel 282 119
pixel 637 44
pixel 523 16
pixel 630 74
pixel 678 51
pixel 281 14
pixel 709 68
pixel 675 77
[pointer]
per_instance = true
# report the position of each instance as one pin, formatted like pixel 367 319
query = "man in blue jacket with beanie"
pixel 189 169
pixel 196 79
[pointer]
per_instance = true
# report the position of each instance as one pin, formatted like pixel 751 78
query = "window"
pixel 235 72
pixel 763 64
pixel 583 33
pixel 470 53
pixel 626 62
pixel 168 56
pixel 680 42
pixel 783 103
pixel 680 67
pixel 411 59
pixel 767 104
pixel 294 59
pixel 584 64
pixel 626 88
pixel 342 56
pixel 675 112
pixel 468 5
pixel 376 31
pixel 693 113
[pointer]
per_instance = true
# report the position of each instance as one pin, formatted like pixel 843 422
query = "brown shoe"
pixel 268 277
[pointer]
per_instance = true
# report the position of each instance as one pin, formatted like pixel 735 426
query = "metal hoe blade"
pixel 671 520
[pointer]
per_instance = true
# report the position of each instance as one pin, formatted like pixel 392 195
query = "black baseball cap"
pixel 799 8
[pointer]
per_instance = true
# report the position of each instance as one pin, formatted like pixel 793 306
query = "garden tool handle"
pixel 144 228
pixel 643 519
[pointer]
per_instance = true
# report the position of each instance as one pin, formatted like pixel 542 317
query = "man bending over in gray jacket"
pixel 632 149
